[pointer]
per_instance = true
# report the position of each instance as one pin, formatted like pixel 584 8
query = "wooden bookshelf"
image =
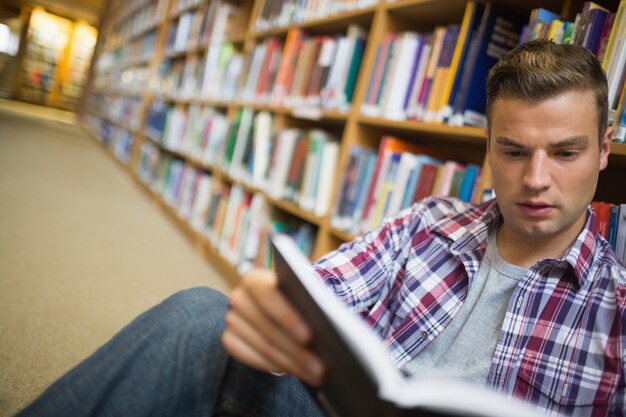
pixel 351 126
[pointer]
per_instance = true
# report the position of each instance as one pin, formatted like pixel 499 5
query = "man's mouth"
pixel 536 208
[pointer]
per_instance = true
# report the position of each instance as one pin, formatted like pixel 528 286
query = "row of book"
pixel 619 121
pixel 612 225
pixel 116 138
pixel 179 6
pixel 134 53
pixel 235 221
pixel 125 81
pixel 440 76
pixel 148 16
pixel 596 28
pixel 281 13
pixel 290 164
pixel 377 185
pixel 202 26
pixel 313 71
pixel 122 110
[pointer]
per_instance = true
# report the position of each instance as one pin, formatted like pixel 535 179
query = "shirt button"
pixel 424 334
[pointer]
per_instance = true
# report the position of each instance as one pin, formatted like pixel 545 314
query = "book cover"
pixel 466 192
pixel 469 27
pixel 442 73
pixel 392 106
pixel 425 182
pixel 361 379
pixel 499 30
pixel 620 238
pixel 330 158
pixel 431 70
pixel 388 144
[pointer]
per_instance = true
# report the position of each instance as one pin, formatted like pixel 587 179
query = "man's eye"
pixel 567 154
pixel 513 154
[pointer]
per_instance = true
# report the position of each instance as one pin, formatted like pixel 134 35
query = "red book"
pixel 294 177
pixel 389 144
pixel 425 182
pixel 603 214
pixel 379 69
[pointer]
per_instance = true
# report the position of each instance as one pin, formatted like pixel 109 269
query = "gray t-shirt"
pixel 465 348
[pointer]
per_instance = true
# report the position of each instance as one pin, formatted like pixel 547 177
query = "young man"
pixel 520 294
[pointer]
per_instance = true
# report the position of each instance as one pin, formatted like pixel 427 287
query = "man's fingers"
pixel 253 325
pixel 240 350
pixel 263 290
pixel 275 359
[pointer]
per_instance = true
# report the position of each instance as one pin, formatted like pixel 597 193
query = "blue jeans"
pixel 170 362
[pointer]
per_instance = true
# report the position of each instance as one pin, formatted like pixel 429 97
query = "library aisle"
pixel 82 251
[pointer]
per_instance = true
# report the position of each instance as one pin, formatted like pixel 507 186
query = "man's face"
pixel 545 160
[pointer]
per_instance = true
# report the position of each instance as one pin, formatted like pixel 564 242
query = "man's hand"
pixel 265 332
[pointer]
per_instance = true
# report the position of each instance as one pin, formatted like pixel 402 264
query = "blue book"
pixel 613 222
pixel 475 20
pixel 487 47
pixel 421 41
pixel 364 185
pixel 469 181
pixel 415 174
pixel 593 29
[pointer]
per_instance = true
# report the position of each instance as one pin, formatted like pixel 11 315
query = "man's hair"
pixel 538 70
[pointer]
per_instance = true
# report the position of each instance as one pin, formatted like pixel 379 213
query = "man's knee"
pixel 199 311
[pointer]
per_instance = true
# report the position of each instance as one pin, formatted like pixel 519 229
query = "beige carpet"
pixel 83 250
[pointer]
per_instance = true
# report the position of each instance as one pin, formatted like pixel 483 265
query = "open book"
pixel 361 379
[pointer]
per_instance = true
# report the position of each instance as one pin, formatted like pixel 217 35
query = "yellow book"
pixel 555 33
pixel 619 17
pixel 461 44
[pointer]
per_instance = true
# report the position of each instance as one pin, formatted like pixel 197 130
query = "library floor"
pixel 83 250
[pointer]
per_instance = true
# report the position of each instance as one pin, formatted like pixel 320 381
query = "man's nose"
pixel 537 172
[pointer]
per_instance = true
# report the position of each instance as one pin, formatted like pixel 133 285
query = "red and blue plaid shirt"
pixel 562 341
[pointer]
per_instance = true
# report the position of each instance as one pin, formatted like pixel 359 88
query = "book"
pixel 498 31
pixel 620 238
pixel 361 379
pixel 443 71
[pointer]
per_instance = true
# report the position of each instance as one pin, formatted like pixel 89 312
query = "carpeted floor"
pixel 83 250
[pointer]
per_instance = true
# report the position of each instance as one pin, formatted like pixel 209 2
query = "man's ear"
pixel 605 149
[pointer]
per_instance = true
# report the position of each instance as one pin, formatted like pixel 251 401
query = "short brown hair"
pixel 542 69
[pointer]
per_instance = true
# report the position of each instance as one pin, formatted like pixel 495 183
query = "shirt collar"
pixel 469 230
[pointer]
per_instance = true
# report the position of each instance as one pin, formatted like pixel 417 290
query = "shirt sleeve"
pixel 361 272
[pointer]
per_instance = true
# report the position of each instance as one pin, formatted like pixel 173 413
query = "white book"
pixel 419 80
pixel 182 32
pixel 407 164
pixel 200 202
pixel 365 381
pixel 325 185
pixel 329 91
pixel 231 77
pixel 354 33
pixel 392 106
pixel 390 74
pixel 286 142
pixel 258 220
pixel 234 200
pixel 187 192
pixel 237 168
pixel 312 167
pixel 217 136
pixel 262 136
pixel 249 89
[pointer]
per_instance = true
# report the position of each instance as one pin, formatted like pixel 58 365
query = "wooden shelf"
pixel 465 144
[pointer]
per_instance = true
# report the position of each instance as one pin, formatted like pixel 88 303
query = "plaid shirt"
pixel 563 337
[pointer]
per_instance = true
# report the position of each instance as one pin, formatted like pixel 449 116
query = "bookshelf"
pixel 160 65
